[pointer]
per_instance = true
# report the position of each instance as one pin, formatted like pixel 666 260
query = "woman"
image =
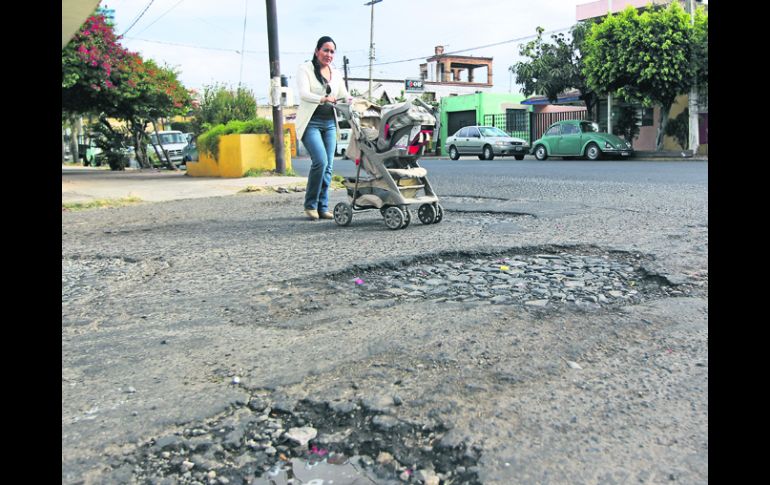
pixel 320 85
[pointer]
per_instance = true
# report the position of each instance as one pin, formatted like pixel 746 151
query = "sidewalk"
pixel 85 184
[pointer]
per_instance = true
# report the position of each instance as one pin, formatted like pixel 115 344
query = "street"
pixel 552 328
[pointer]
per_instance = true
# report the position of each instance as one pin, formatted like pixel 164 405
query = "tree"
pixel 556 67
pixel 102 78
pixel 220 105
pixel 647 58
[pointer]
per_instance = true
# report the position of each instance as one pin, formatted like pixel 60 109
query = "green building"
pixel 502 110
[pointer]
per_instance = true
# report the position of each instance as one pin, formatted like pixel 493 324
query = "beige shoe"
pixel 311 213
pixel 326 215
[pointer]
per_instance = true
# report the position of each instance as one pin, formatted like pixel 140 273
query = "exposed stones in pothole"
pixel 533 279
pixel 536 278
pixel 265 443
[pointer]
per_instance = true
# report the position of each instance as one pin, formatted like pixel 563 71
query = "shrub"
pixel 208 142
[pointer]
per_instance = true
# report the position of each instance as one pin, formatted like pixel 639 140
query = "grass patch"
pixel 100 203
pixel 261 189
pixel 337 182
pixel 259 172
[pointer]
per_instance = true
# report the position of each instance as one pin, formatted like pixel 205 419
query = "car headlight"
pixel 500 143
pixel 608 145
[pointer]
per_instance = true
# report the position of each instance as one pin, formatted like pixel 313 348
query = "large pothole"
pixel 533 278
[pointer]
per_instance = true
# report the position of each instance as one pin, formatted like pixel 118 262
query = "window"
pixel 552 131
pixel 473 133
pixel 569 129
pixel 462 132
pixel 492 131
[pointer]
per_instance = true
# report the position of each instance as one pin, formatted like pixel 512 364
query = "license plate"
pixel 518 149
pixel 624 153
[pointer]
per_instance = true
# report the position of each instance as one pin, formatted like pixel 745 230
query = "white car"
pixel 173 142
pixel 345 133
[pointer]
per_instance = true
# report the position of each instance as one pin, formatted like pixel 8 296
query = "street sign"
pixel 413 85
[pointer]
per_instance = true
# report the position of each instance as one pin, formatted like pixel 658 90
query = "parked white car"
pixel 173 143
pixel 345 133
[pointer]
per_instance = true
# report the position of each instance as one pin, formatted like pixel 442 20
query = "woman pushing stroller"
pixel 320 86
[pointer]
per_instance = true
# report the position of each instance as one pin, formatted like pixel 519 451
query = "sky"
pixel 207 43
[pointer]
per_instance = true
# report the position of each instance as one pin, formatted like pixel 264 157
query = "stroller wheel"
pixel 439 213
pixel 427 214
pixel 343 214
pixel 394 217
pixel 407 218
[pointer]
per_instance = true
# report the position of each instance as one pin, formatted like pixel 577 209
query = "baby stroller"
pixel 387 142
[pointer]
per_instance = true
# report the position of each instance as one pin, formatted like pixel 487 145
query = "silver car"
pixel 486 142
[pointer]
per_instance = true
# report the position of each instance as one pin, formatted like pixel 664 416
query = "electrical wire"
pixel 137 18
pixel 520 39
pixel 160 17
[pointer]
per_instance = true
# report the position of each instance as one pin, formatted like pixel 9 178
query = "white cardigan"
pixel 311 91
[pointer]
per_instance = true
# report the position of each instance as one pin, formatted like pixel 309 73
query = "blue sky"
pixel 203 39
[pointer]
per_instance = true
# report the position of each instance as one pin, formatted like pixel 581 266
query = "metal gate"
pixel 459 119
pixel 515 122
pixel 541 121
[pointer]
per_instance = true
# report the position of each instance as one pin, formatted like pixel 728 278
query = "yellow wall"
pixel 237 155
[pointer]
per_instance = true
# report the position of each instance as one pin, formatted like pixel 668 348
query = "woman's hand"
pixel 329 99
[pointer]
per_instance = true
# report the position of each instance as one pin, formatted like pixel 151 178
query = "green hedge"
pixel 208 142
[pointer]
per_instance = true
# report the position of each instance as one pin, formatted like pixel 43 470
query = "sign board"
pixel 413 85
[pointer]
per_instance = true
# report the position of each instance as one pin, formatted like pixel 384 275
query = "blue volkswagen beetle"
pixel 579 138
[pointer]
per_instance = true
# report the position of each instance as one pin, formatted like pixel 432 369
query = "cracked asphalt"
pixel 164 303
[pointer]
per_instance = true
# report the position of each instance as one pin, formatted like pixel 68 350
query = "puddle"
pixel 335 469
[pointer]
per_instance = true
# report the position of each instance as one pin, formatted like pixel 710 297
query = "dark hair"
pixel 317 65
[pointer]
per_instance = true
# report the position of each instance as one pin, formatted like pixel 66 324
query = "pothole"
pixel 534 278
pixel 85 278
pixel 347 442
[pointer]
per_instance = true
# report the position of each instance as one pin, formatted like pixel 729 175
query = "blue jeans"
pixel 320 140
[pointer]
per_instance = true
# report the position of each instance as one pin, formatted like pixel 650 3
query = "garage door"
pixel 458 119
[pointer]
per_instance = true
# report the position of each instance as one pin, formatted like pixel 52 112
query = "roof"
pixel 570 97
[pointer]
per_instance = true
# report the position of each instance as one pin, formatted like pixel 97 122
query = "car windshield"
pixel 589 127
pixel 168 138
pixel 491 131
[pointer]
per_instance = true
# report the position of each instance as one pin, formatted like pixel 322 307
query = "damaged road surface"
pixel 555 331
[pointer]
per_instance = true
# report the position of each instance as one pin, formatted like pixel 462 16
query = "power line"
pixel 464 50
pixel 137 18
pixel 190 46
pixel 161 16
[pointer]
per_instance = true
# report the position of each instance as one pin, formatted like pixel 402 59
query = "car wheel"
pixel 453 153
pixel 488 153
pixel 592 151
pixel 540 152
pixel 519 157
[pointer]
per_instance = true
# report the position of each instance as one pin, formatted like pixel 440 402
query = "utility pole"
pixel 275 86
pixel 371 46
pixel 694 128
pixel 609 95
pixel 345 69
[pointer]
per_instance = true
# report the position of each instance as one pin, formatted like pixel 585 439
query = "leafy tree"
pixel 101 77
pixel 648 57
pixel 220 105
pixel 555 67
